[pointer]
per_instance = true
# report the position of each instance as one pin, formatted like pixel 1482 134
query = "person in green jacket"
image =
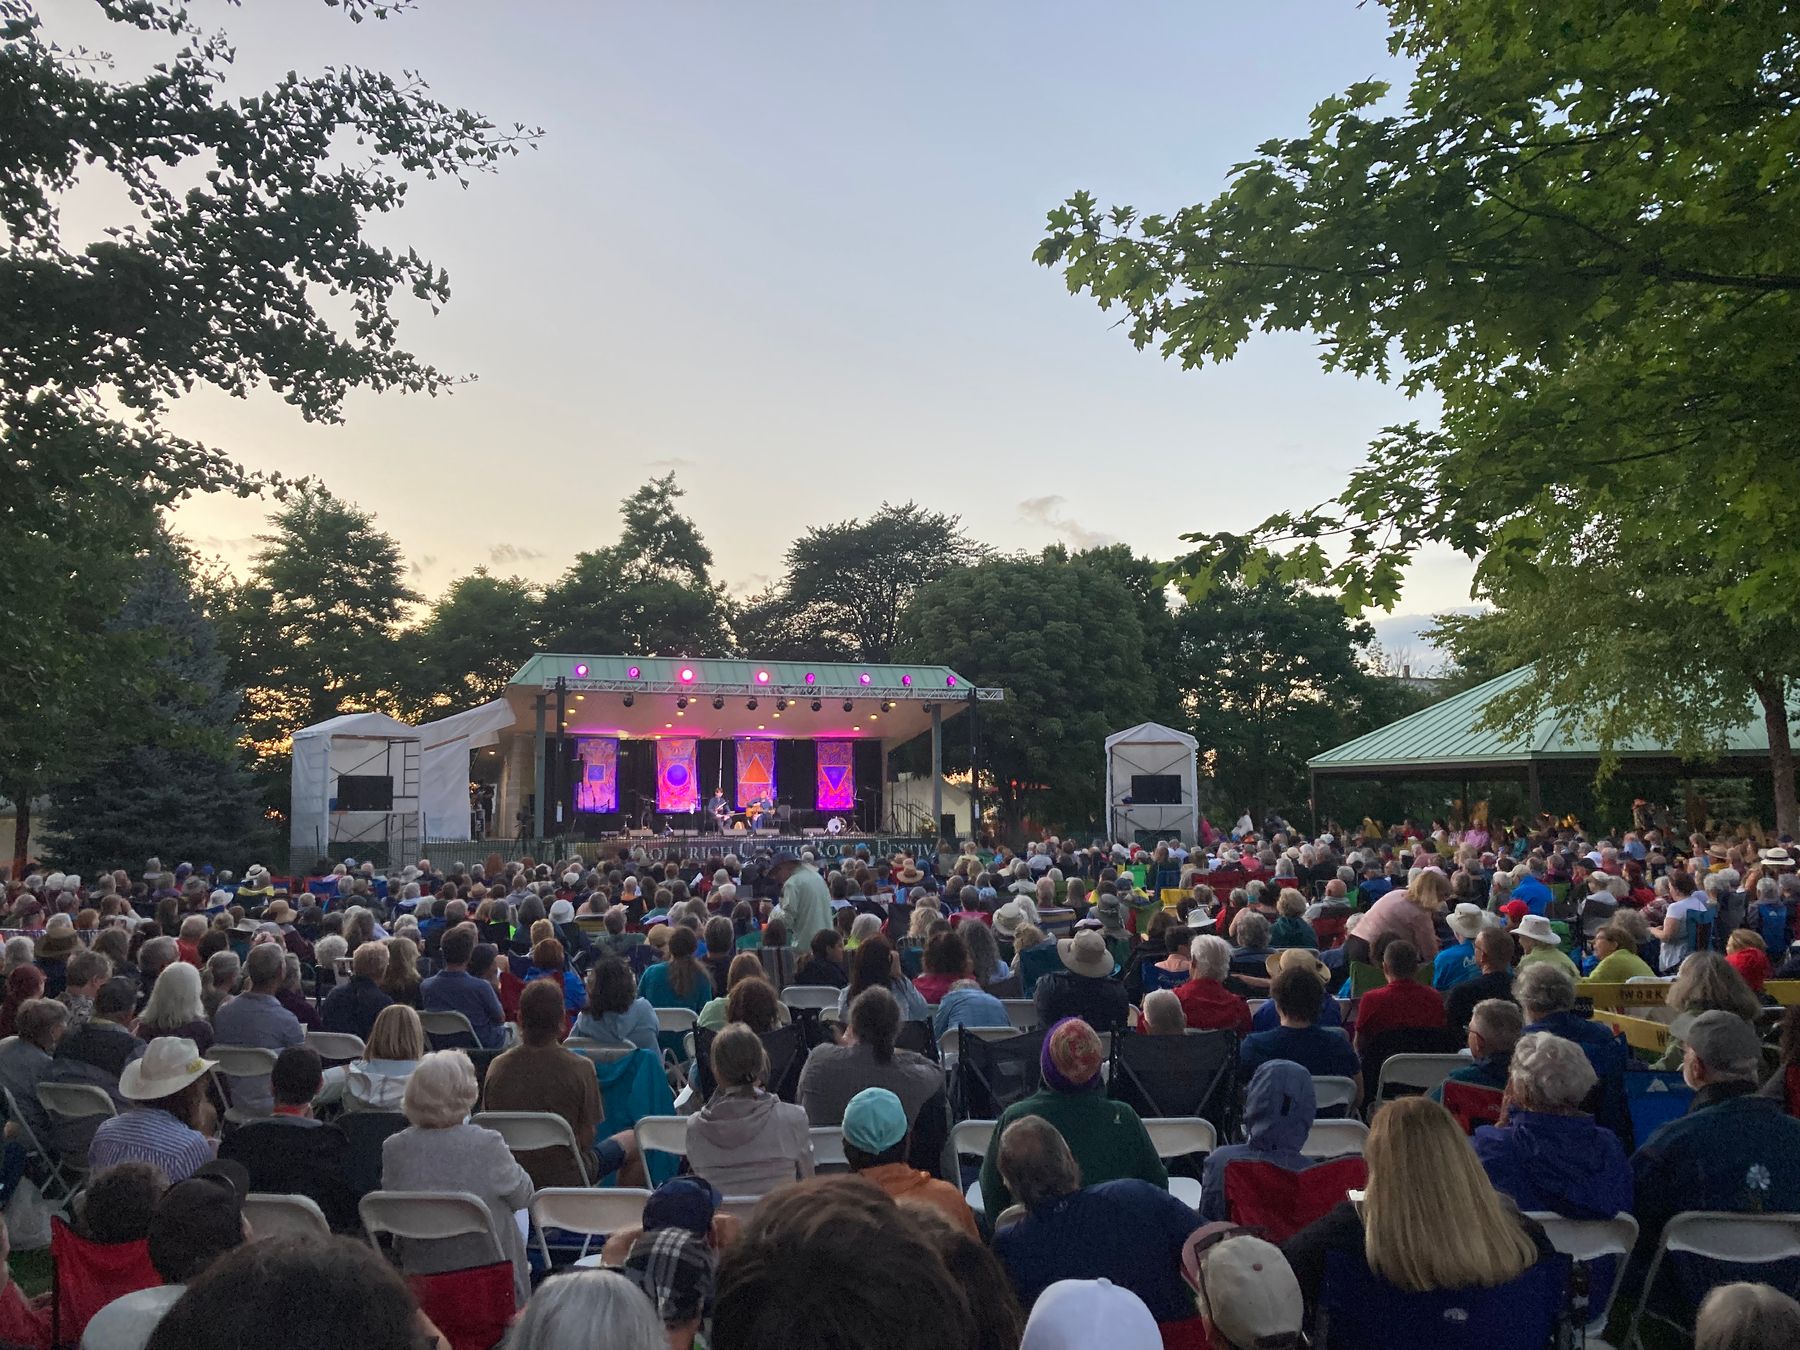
pixel 1106 1137
pixel 1619 960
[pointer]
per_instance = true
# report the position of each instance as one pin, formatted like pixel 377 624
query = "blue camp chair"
pixel 1358 1310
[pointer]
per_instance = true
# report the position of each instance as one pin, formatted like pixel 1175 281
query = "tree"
pixel 470 643
pixel 1271 675
pixel 1029 626
pixel 169 777
pixel 652 593
pixel 313 627
pixel 850 582
pixel 772 625
pixel 1149 589
pixel 244 213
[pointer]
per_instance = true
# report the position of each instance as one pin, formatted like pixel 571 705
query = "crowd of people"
pixel 1316 959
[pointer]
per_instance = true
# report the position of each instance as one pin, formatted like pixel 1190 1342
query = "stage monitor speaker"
pixel 365 792
pixel 947 825
pixel 1156 789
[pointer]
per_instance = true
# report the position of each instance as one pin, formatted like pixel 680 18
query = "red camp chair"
pixel 471 1307
pixel 1472 1104
pixel 86 1276
pixel 1279 1202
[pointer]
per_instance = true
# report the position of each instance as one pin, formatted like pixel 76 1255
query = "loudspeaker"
pixel 947 825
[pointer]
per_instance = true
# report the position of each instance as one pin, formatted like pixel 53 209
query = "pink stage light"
pixel 863 678
pixel 687 674
pixel 632 673
pixel 581 669
pixel 906 680
pixel 811 678
pixel 762 677
pixel 950 681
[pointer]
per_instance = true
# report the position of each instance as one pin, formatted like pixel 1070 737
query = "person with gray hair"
pixel 257 1018
pixel 1732 1150
pixel 1163 1013
pixel 1205 1001
pixel 589 1310
pixel 1549 1154
pixel 1744 1316
pixel 1547 994
pixel 1494 1029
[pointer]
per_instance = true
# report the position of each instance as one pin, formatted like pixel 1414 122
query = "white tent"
pixel 364 745
pixel 1150 749
pixel 445 746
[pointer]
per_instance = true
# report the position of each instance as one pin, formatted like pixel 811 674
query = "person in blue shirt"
pixel 1457 963
pixel 548 962
pixel 615 1014
pixel 1268 1017
pixel 1531 888
pixel 455 990
pixel 1321 1051
pixel 1279 1107
pixel 681 981
pixel 1547 994
pixel 1550 1155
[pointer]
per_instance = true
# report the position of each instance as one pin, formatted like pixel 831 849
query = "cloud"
pixel 421 565
pixel 671 464
pixel 1402 637
pixel 506 554
pixel 1048 512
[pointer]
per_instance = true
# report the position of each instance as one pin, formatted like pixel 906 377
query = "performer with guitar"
pixel 721 812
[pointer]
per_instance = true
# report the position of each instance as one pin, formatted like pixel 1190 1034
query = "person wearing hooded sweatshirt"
pixel 1279 1106
pixel 747 1141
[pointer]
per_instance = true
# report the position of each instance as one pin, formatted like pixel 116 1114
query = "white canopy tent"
pixel 445 746
pixel 362 745
pixel 1146 750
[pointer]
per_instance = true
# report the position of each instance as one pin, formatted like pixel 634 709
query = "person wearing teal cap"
pixel 875 1143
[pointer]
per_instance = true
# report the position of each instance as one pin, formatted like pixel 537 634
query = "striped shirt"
pixel 148 1134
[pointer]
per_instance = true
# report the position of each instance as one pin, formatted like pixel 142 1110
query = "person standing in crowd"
pixel 805 902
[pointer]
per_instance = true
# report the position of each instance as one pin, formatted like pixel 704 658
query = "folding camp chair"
pixel 86 1276
pixel 449 1031
pixel 1726 1238
pixel 1358 1309
pixel 530 1131
pixel 992 1075
pixel 367 1131
pixel 970 1138
pixel 1281 1202
pixel 1600 1245
pixel 1182 1137
pixel 1334 1138
pixel 1410 1074
pixel 335 1047
pixel 1472 1104
pixel 593 1212
pixel 1177 1076
pixel 918 1037
pixel 285 1216
pixel 786 1048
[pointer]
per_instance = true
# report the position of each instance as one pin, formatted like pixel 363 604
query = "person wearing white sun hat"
pixel 1543 943
pixel 167 1087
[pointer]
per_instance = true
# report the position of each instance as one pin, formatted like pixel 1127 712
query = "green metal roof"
pixel 733 674
pixel 1449 735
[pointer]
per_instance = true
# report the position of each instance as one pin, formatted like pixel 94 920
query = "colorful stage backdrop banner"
pixel 598 787
pixel 678 774
pixel 837 776
pixel 755 772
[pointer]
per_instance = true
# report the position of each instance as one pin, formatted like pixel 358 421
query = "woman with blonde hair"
pixel 1429 1219
pixel 401 980
pixel 1706 982
pixel 175 1008
pixel 377 1081
pixel 744 966
pixel 1407 914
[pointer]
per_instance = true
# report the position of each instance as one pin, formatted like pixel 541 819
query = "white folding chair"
pixel 676 1019
pixel 1009 1216
pixel 528 1131
pixel 1022 1011
pixel 241 1061
pixel 335 1046
pixel 448 1024
pixel 600 1052
pixel 1256 1005
pixel 1587 1240
pixel 1333 1138
pixel 272 1215
pixel 740 1207
pixel 817 996
pixel 1421 1073
pixel 1177 1137
pixel 665 1134
pixel 75 1101
pixel 596 1212
pixel 59 1187
pixel 971 1138
pixel 828 1147
pixel 1736 1239
pixel 1332 1090
pixel 427 1216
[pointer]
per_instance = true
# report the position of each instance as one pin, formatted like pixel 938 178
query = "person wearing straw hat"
pixel 1542 943
pixel 1267 1018
pixel 167 1087
pixel 1457 963
pixel 1085 987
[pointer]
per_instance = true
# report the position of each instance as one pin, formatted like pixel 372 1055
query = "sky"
pixel 784 250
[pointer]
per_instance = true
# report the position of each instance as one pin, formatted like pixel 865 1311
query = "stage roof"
pixel 1446 737
pixel 596 687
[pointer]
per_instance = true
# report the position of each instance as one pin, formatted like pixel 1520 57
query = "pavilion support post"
pixel 937 769
pixel 1312 802
pixel 974 773
pixel 1534 789
pixel 884 800
pixel 559 760
pixel 537 773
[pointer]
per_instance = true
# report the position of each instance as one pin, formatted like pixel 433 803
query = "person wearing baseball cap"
pixel 876 1139
pixel 1733 1149
pixel 678 1271
pixel 1081 1314
pixel 1248 1294
pixel 1106 1137
pixel 195 1223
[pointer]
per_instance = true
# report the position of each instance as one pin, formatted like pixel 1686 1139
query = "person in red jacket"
pixel 1402 1002
pixel 1207 1003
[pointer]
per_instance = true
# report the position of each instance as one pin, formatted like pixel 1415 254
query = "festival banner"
pixel 837 776
pixel 678 774
pixel 755 773
pixel 597 788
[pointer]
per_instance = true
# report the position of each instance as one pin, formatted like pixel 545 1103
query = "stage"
pixel 746 845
